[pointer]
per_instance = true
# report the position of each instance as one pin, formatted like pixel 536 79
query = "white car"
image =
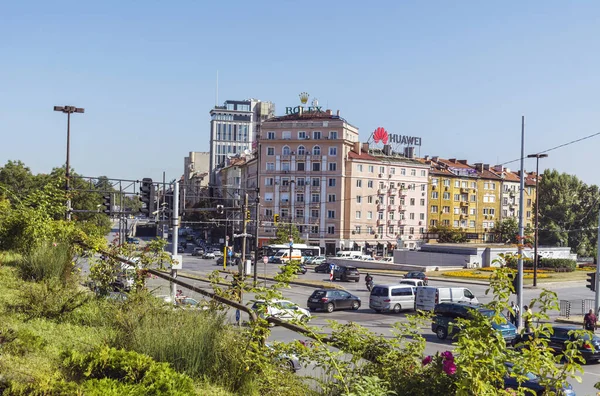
pixel 280 309
pixel 209 255
pixel 318 260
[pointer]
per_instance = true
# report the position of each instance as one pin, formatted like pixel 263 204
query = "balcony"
pixel 382 191
pixel 284 188
pixel 400 222
pixel 315 204
pixel 314 220
pixel 391 208
pixel 380 207
pixel 401 208
pixel 464 203
pixel 300 187
pixel 393 191
pixel 300 156
pixel 390 222
pixel 380 222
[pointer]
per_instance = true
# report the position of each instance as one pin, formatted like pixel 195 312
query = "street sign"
pixel 265 259
pixel 227 237
pixel 230 252
pixel 177 261
pixel 237 315
pixel 291 241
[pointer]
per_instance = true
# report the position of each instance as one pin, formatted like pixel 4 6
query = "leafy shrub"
pixel 566 265
pixel 50 299
pixel 47 261
pixel 112 371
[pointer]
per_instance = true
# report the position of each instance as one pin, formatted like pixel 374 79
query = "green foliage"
pixel 370 385
pixel 283 233
pixel 567 214
pixel 559 263
pixel 448 234
pixel 508 231
pixel 47 261
pixel 129 371
pixel 50 299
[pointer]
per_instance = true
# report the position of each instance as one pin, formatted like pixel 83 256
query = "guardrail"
pixel 575 307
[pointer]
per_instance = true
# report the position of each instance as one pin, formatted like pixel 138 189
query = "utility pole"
pixel 256 221
pixel 597 280
pixel 244 229
pixel 175 235
pixel 122 224
pixel 537 212
pixel 164 193
pixel 521 229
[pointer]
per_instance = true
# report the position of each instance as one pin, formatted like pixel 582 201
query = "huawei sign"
pixel 380 135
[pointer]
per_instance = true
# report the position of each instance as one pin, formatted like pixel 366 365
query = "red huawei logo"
pixel 380 135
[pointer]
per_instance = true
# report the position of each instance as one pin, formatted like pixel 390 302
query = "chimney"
pixel 498 168
pixel 356 147
pixel 328 112
pixel 435 158
pixel 486 167
pixel 365 147
pixel 426 157
pixel 464 162
pixel 479 166
pixel 337 113
pixel 453 160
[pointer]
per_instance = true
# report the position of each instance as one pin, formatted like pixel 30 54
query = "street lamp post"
pixel 292 182
pixel 537 212
pixel 68 110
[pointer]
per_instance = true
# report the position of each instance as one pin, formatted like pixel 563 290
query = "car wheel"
pixel 441 333
pixel 356 280
pixel 303 319
pixel 290 366
pixel 355 305
pixel 397 308
pixel 330 307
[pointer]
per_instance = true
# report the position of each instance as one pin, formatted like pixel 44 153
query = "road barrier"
pixel 575 307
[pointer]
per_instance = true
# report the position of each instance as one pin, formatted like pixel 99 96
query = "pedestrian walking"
pixel 590 320
pixel 513 313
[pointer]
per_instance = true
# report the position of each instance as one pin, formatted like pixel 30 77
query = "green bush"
pixel 47 261
pixel 50 299
pixel 564 265
pixel 109 371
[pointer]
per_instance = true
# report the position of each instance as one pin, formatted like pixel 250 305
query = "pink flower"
pixel 447 356
pixel 449 367
pixel 427 360
pixel 53 243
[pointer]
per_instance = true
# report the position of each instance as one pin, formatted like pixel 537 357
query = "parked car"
pixel 392 298
pixel 533 383
pixel 318 260
pixel 180 249
pixel 387 259
pixel 323 267
pixel 417 275
pixel 412 282
pixel 560 336
pixel 429 296
pixel 198 251
pixel 330 300
pixel 209 255
pixel 446 313
pixel 217 253
pixel 280 309
pixel 289 362
pixel 346 273
pixel 134 241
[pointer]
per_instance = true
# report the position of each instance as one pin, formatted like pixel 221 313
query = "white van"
pixel 392 298
pixel 428 296
pixel 284 255
pixel 348 254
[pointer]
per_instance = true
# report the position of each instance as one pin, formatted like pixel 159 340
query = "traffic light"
pixel 220 209
pixel 276 218
pixel 107 203
pixel 248 217
pixel 591 280
pixel 147 196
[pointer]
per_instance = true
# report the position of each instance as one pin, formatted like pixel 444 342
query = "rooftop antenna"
pixel 217 91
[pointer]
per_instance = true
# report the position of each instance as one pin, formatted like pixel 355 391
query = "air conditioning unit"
pixel 446 188
pixel 381 175
pixel 389 176
pixel 433 187
pixel 353 232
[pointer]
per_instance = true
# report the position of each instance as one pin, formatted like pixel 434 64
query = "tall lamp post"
pixel 292 182
pixel 68 110
pixel 537 211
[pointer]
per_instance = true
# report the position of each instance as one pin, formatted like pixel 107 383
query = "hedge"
pixel 565 265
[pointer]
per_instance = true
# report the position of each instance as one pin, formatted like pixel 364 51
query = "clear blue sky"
pixel 458 74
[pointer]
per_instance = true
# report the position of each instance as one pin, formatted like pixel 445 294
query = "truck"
pixel 428 296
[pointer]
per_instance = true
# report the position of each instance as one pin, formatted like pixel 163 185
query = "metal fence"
pixel 575 307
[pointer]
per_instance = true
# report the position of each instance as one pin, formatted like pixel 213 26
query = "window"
pixel 421 216
pixel 391 230
pixel 359 183
pixel 316 182
pixel 472 211
pixel 270 150
pixel 411 230
pixel 314 213
pixel 332 150
pixel 286 135
pixel 331 229
pixel 285 181
pixel 412 202
pixel 446 196
pixel 316 150
pixel 382 169
pixel 457 197
pixel 270 166
pixel 370 183
pixel 433 222
pixel 473 198
pixel 316 135
pixel 285 166
pixel 358 199
pixel 529 202
pixel 270 135
pixel 529 213
pixel 300 166
pixel 315 198
pixel 457 183
pixel 403 171
pixel 391 215
pixel 301 150
pixel 422 201
pixel 314 229
pixel 316 166
pixel 471 223
pixel 331 214
pixel 332 166
pixel 269 212
pixel 411 216
pixel 434 195
pixel 446 182
pixel 423 173
pixel 357 229
pixel 434 181
pixel 285 150
pixel 464 184
pixel 434 209
pixel 357 216
pixel 299 212
pixel 370 199
pixel 369 215
pixel 301 135
pixel 455 224
pixel 392 171
pixel 299 197
pixel 380 215
pixel 413 172
pixel 445 209
pixel 269 197
pixel 371 168
pixel 333 135
pixel 456 211
pixel 380 230
pixel 331 183
pixel 359 167
pixel 300 181
pixel 331 198
pixel 269 181
pixel 473 185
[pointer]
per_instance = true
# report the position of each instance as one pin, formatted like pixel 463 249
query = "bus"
pixel 306 250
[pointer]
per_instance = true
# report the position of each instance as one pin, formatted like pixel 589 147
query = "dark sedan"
pixel 532 383
pixel 589 348
pixel 330 300
pixel 323 267
pixel 417 275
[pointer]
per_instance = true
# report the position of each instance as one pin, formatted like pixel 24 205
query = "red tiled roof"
pixel 363 155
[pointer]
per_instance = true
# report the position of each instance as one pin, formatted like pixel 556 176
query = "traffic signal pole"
pixel 597 291
pixel 519 290
pixel 175 236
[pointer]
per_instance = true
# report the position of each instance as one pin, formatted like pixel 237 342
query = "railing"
pixel 575 307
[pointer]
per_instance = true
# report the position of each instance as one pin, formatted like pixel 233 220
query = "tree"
pixel 17 178
pixel 283 232
pixel 508 231
pixel 568 212
pixel 449 235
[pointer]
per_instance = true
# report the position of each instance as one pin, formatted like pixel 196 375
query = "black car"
pixel 417 275
pixel 346 273
pixel 330 300
pixel 560 336
pixel 533 383
pixel 323 267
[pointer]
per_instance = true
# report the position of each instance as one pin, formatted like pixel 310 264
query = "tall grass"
pixel 47 261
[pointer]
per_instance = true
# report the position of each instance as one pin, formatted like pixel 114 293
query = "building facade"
pixel 196 171
pixel 233 129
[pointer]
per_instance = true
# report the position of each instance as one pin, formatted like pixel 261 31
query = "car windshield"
pixel 319 294
pixel 279 254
